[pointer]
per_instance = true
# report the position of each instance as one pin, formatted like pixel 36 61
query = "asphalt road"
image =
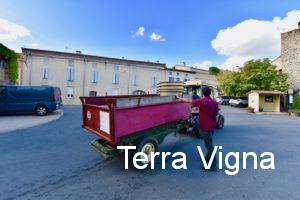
pixel 55 161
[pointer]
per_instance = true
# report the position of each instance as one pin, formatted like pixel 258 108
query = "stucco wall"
pixel 272 106
pixel 32 74
pixel 253 101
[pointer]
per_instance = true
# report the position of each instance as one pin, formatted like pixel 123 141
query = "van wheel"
pixel 41 110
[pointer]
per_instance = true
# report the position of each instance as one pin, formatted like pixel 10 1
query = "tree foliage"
pixel 255 75
pixel 214 70
pixel 11 59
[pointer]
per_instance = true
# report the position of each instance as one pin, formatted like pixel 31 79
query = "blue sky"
pixel 187 28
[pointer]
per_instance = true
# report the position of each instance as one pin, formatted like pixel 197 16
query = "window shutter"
pixel 73 74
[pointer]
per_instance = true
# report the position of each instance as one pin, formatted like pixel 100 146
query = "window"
pixel 170 73
pixel 269 99
pixel 94 76
pixel 186 79
pixel 70 92
pixel 134 79
pixel 114 92
pixel 177 79
pixel 178 74
pixel 71 63
pixel 45 73
pixel 171 79
pixel 115 78
pixel 93 93
pixel 70 74
pixel 186 75
pixel 154 81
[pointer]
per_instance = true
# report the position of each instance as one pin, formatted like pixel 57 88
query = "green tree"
pixel 11 59
pixel 214 70
pixel 255 75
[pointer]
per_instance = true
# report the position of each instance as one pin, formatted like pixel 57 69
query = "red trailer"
pixel 139 120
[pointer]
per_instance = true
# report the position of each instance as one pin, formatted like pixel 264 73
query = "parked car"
pixel 28 99
pixel 238 101
pixel 223 100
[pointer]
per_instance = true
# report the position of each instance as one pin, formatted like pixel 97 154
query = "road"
pixel 55 161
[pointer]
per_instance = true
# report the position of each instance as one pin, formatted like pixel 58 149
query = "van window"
pixel 28 92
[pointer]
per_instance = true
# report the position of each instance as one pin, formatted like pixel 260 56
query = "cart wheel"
pixel 147 146
pixel 220 124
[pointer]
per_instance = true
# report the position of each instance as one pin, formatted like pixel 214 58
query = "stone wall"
pixel 290 56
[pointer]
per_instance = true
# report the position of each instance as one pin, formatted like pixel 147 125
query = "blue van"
pixel 29 99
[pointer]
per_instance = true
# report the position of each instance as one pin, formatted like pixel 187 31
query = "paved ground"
pixel 17 122
pixel 55 161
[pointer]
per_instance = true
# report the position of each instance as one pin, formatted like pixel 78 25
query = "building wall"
pixel 33 70
pixel 272 106
pixel 2 75
pixel 184 73
pixel 278 63
pixel 290 57
pixel 253 101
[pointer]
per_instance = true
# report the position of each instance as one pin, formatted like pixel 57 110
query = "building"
pixel 289 60
pixel 266 101
pixel 185 73
pixel 78 74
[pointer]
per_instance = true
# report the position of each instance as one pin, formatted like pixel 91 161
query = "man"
pixel 194 94
pixel 208 110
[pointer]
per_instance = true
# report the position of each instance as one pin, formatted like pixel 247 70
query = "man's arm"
pixel 183 99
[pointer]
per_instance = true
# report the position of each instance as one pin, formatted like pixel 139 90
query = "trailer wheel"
pixel 147 146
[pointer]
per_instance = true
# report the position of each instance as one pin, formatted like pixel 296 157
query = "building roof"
pixel 30 51
pixel 266 92
pixel 179 70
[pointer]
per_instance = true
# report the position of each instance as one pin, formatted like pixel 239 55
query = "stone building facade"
pixel 289 60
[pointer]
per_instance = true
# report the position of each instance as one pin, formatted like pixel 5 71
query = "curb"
pixel 41 120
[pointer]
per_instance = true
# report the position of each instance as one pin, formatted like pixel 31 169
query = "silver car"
pixel 239 101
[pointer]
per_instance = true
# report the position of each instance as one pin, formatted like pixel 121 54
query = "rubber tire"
pixel 141 142
pixel 41 107
pixel 220 123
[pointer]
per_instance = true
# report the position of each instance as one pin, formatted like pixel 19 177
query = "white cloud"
pixel 10 31
pixel 157 37
pixel 253 39
pixel 140 32
pixel 204 65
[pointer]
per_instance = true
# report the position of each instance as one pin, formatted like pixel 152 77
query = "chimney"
pixel 184 64
pixel 298 25
pixel 78 52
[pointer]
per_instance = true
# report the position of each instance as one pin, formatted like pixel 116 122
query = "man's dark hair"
pixel 206 91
